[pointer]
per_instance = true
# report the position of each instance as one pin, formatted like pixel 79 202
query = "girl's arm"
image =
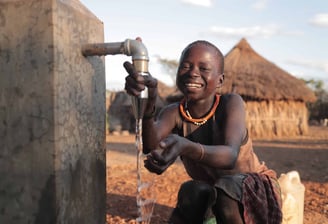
pixel 153 131
pixel 222 156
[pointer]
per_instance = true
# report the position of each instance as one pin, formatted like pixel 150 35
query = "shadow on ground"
pixel 125 207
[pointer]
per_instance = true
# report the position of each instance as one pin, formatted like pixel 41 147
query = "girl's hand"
pixel 160 159
pixel 136 83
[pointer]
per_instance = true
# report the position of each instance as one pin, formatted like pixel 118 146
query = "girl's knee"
pixel 194 200
pixel 196 193
pixel 226 209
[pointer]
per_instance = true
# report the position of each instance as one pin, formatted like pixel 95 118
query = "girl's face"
pixel 199 73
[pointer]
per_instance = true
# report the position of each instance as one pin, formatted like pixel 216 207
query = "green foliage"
pixel 319 109
pixel 210 221
pixel 315 85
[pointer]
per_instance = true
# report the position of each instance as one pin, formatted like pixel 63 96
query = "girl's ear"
pixel 220 84
pixel 220 81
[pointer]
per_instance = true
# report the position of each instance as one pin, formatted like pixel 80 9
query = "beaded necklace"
pixel 183 107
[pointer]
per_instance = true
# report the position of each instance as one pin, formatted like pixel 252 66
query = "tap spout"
pixel 129 47
pixel 140 59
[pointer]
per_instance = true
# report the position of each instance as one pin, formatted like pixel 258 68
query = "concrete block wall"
pixel 52 114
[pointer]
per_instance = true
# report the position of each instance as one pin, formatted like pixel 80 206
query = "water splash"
pixel 145 195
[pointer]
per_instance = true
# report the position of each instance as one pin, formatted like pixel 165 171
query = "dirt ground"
pixel 307 154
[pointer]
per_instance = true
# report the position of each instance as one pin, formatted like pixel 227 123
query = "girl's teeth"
pixel 193 85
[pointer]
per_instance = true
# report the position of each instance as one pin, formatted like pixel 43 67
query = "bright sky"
pixel 293 34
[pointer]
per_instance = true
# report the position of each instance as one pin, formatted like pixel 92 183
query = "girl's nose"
pixel 194 71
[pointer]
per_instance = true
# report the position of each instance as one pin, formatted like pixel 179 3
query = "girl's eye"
pixel 204 69
pixel 185 67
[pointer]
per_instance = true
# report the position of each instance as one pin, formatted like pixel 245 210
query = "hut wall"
pixel 271 119
pixel 119 111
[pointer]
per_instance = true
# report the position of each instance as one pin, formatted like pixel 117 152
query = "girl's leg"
pixel 226 209
pixel 194 200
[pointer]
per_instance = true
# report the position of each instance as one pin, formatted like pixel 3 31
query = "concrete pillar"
pixel 52 114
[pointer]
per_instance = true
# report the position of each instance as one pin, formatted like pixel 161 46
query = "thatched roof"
pixel 253 77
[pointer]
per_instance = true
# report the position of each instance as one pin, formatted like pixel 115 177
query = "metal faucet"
pixel 140 59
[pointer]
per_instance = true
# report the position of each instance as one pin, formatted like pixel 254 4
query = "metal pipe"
pixel 140 59
pixel 134 48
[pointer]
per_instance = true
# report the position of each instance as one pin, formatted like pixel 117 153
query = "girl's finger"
pixel 130 69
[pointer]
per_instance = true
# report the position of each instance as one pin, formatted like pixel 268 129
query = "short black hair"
pixel 208 44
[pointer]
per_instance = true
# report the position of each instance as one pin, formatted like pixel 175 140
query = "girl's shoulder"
pixel 170 114
pixel 231 97
pixel 170 108
pixel 230 102
pixel 173 105
pixel 170 111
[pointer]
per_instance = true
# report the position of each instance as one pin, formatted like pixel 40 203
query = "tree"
pixel 319 109
pixel 170 66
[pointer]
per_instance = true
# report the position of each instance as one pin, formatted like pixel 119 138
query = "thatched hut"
pixel 119 110
pixel 275 100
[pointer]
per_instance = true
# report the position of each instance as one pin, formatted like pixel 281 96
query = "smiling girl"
pixel 208 132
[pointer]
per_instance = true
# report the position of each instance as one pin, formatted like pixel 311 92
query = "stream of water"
pixel 145 194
